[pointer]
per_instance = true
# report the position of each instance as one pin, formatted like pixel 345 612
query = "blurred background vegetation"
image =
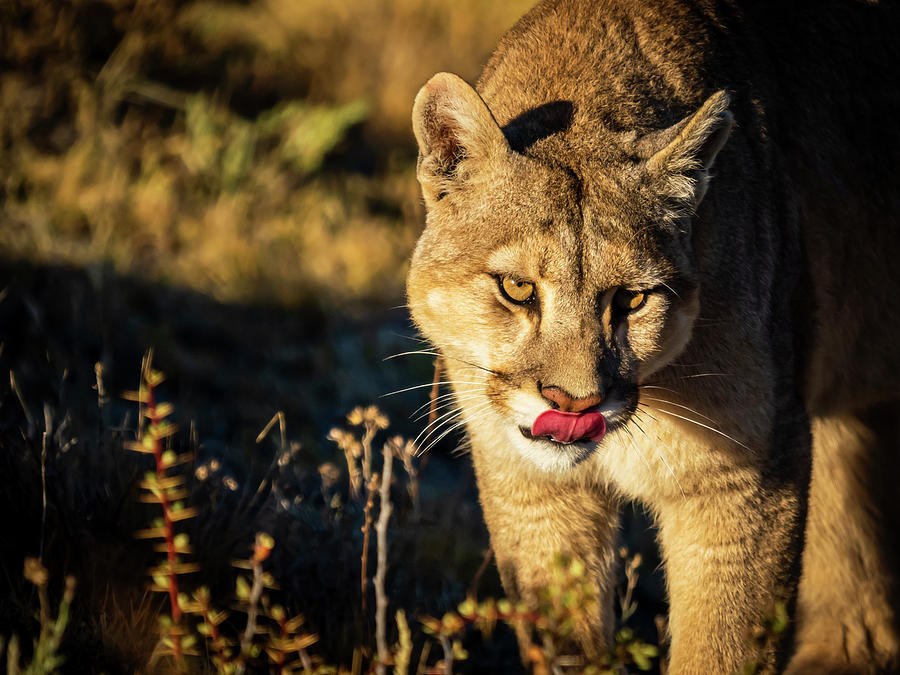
pixel 253 151
pixel 233 185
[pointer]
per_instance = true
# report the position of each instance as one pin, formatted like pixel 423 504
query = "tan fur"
pixel 738 163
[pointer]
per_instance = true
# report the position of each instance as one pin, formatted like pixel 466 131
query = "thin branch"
pixel 366 529
pixel 381 601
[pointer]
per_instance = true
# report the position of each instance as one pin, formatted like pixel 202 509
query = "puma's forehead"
pixel 561 257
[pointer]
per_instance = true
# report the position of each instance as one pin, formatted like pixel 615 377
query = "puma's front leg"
pixel 534 517
pixel 732 549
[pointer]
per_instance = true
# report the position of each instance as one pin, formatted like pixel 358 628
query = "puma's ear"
pixel 690 149
pixel 457 135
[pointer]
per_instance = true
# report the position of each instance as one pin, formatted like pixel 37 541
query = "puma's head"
pixel 554 279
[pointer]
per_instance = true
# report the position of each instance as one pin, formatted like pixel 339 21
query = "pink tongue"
pixel 566 427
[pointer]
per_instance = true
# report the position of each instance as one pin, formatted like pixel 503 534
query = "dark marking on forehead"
pixel 538 123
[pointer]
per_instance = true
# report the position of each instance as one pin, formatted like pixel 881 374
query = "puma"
pixel 662 263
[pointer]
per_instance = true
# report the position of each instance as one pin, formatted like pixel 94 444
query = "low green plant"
pixel 552 622
pixel 770 631
pixel 46 655
pixel 269 633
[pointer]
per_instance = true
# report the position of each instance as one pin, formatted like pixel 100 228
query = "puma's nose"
pixel 566 402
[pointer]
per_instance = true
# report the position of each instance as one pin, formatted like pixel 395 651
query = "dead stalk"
pixel 381 601
pixel 631 578
pixel 252 611
pixel 435 388
pixel 366 529
pixel 406 451
pixel 473 587
pixel 47 423
pixel 102 398
pixel 448 655
pixel 368 435
pixel 18 392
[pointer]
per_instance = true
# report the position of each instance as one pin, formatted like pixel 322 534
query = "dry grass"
pixel 254 151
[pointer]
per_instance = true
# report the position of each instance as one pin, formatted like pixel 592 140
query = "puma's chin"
pixel 550 456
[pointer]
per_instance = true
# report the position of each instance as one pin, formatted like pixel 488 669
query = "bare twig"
pixel 368 435
pixel 261 550
pixel 47 424
pixel 433 396
pixel 277 417
pixel 662 630
pixel 631 578
pixel 371 419
pixel 381 601
pixel 15 387
pixel 448 654
pixel 366 529
pixel 404 648
pixel 102 398
pixel 347 442
pixel 423 659
pixel 406 451
pixel 435 388
pixel 473 587
pixel 265 485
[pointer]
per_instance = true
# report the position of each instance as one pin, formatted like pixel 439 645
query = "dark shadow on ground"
pixel 230 367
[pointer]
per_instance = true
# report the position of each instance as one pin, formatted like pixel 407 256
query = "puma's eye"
pixel 629 301
pixel 516 291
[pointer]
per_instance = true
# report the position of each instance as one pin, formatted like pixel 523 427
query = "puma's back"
pixel 660 261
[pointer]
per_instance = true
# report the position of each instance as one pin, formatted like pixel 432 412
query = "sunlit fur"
pixel 646 146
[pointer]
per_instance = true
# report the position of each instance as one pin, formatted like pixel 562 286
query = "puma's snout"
pixel 560 399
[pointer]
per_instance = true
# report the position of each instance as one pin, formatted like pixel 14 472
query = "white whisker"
pixel 654 386
pixel 481 413
pixel 414 338
pixel 678 405
pixel 688 377
pixel 688 419
pixel 427 352
pixel 671 289
pixel 432 428
pixel 411 353
pixel 451 394
pixel 662 458
pixel 633 444
pixel 430 384
pixel 448 404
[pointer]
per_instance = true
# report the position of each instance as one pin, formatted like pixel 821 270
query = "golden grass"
pixel 255 152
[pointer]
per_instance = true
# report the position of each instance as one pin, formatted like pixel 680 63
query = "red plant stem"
pixel 171 554
pixel 283 634
pixel 214 635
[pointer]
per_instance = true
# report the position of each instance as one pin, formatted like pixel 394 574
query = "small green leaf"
pixel 780 620
pixel 468 607
pixel 242 589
